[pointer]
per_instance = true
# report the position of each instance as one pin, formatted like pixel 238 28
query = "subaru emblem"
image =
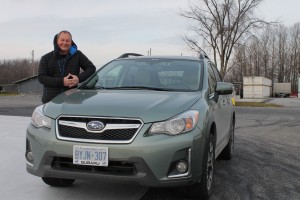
pixel 95 126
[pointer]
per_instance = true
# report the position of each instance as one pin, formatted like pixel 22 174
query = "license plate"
pixel 87 155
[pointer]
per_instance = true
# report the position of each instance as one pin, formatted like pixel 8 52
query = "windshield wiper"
pixel 93 87
pixel 138 88
pixel 129 88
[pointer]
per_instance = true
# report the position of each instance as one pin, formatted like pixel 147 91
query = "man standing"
pixel 64 67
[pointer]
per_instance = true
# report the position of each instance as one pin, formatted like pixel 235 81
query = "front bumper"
pixel 148 159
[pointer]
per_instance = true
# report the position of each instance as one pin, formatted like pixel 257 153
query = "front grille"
pixel 73 132
pixel 117 130
pixel 114 167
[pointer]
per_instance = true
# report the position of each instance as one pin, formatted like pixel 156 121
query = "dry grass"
pixel 7 94
pixel 256 104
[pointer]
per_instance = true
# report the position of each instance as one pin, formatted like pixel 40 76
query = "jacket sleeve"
pixel 44 75
pixel 87 66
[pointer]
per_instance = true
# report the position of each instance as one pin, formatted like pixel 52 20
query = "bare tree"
pixel 265 52
pixel 221 24
pixel 254 56
pixel 273 53
pixel 295 54
pixel 17 69
pixel 282 53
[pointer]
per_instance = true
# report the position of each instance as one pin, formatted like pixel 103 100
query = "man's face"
pixel 64 42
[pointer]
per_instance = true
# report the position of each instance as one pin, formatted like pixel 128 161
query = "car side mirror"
pixel 223 88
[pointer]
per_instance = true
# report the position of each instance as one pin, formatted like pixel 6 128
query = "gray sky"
pixel 104 29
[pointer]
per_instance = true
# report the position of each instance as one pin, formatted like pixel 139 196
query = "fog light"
pixel 29 156
pixel 182 166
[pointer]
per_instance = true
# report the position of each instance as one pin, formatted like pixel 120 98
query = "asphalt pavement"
pixel 266 164
pixel 19 105
pixel 17 184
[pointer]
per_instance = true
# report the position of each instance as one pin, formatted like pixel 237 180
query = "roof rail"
pixel 126 55
pixel 203 54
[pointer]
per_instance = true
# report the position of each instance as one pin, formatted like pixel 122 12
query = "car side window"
pixel 217 73
pixel 212 82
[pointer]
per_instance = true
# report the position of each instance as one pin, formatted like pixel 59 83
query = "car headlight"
pixel 177 125
pixel 38 118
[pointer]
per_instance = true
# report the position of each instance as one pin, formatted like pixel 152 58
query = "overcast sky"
pixel 104 29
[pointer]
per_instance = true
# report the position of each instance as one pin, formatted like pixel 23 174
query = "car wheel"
pixel 227 152
pixel 58 182
pixel 203 189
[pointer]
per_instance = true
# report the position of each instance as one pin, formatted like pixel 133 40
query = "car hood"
pixel 143 104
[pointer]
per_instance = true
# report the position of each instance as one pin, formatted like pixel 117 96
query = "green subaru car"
pixel 159 121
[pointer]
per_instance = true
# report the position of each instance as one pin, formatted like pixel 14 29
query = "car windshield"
pixel 151 74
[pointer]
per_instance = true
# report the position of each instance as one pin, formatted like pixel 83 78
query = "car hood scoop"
pixel 143 104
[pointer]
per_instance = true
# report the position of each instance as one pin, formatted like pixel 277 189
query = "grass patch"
pixel 256 104
pixel 7 94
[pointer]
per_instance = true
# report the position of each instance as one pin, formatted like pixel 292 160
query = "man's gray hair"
pixel 64 31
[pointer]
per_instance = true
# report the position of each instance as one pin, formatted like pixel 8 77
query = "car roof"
pixel 134 56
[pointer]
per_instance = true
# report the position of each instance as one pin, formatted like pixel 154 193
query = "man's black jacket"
pixel 54 67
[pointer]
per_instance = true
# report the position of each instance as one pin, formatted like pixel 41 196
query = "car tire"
pixel 58 182
pixel 227 152
pixel 203 189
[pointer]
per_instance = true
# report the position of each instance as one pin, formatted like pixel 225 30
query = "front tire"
pixel 203 189
pixel 227 152
pixel 58 182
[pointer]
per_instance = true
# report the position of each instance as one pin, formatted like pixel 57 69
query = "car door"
pixel 221 107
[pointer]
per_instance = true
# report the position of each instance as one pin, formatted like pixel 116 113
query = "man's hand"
pixel 71 80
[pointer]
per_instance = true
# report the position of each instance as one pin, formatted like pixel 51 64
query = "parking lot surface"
pixel 266 164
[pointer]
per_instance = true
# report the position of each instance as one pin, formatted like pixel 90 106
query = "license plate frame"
pixel 90 155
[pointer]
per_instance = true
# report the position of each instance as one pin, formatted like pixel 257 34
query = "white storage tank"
pixel 256 87
pixel 282 89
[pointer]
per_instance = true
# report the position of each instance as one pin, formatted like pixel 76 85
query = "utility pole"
pixel 32 62
pixel 32 56
pixel 149 52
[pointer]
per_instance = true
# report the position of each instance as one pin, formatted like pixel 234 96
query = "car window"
pixel 152 73
pixel 212 81
pixel 182 79
pixel 108 77
pixel 216 72
pixel 111 76
pixel 170 77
